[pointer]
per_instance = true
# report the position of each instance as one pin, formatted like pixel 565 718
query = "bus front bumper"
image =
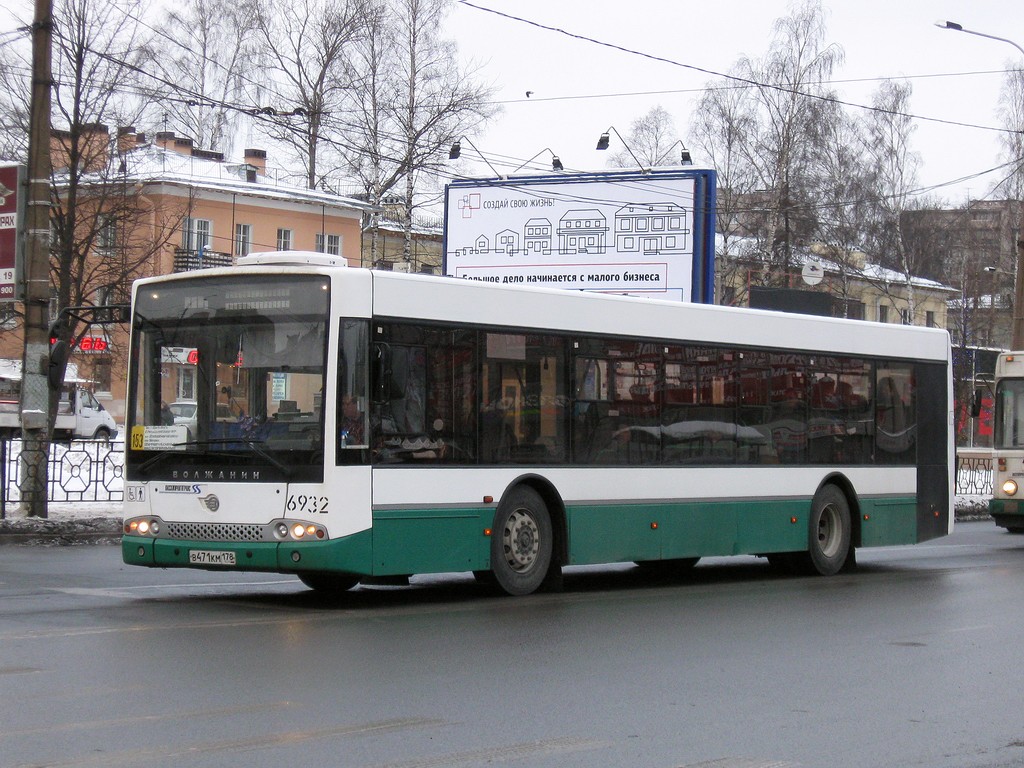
pixel 1008 513
pixel 349 554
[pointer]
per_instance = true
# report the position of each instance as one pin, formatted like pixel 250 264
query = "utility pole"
pixel 1018 300
pixel 35 390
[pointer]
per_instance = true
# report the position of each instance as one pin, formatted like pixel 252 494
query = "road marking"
pixel 286 739
pixel 203 713
pixel 19 670
pixel 127 591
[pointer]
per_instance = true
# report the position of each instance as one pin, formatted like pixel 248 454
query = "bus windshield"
pixel 226 372
pixel 1009 423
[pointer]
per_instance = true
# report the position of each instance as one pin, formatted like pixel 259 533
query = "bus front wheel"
pixel 829 532
pixel 521 542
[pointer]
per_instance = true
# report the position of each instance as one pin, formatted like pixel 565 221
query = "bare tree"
pixel 651 139
pixel 412 102
pixel 893 164
pixel 203 56
pixel 723 127
pixel 1011 112
pixel 784 144
pixel 304 48
pixel 842 185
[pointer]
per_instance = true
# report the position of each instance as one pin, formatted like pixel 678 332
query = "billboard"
pixel 642 233
pixel 11 224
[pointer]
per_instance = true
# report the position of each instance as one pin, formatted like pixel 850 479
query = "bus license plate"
pixel 208 557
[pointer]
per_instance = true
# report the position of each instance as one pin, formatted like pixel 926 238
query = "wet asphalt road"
pixel 915 660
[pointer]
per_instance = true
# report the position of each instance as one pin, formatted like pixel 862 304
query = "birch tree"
pixel 413 102
pixel 204 51
pixel 304 51
pixel 893 165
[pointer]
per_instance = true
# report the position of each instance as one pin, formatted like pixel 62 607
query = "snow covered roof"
pixel 151 164
pixel 746 248
pixel 11 371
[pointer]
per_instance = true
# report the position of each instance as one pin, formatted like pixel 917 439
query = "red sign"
pixel 10 221
pixel 93 344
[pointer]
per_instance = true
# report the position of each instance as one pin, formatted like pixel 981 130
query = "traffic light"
pixel 59 352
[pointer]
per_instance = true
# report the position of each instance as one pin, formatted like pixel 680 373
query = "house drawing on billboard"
pixel 506 242
pixel 537 237
pixel 651 228
pixel 483 245
pixel 583 231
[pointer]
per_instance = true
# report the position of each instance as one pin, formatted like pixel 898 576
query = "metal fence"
pixel 93 470
pixel 974 472
pixel 80 471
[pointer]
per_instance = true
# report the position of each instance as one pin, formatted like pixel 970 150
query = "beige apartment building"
pixel 204 212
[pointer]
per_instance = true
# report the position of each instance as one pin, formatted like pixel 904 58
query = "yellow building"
pixel 851 287
pixel 202 212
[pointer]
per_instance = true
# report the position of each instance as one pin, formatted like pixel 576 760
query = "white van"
pixel 79 413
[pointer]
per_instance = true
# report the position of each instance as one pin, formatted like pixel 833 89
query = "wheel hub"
pixel 521 540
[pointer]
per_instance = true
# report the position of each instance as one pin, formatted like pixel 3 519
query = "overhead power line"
pixel 746 81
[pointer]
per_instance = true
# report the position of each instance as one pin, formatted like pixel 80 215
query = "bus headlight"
pixel 142 526
pixel 1010 487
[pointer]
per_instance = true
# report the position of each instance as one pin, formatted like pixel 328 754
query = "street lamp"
pixel 1017 342
pixel 605 139
pixel 556 164
pixel 456 151
pixel 960 28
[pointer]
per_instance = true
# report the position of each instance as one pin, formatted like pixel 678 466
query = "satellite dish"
pixel 812 273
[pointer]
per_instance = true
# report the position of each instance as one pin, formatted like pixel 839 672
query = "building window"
pixel 905 317
pixel 284 239
pixel 196 234
pixel 102 373
pixel 243 239
pixel 106 236
pixel 883 313
pixel 930 319
pixel 333 244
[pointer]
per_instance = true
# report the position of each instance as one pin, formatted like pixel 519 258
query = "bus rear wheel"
pixel 829 533
pixel 329 583
pixel 521 542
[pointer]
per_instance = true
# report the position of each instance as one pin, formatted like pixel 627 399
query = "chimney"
pixel 258 159
pixel 183 145
pixel 93 147
pixel 165 139
pixel 126 139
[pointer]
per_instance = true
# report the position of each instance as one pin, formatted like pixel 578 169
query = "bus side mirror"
pixel 976 403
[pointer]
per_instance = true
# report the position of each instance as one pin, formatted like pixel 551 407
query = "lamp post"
pixel 1017 341
pixel 556 163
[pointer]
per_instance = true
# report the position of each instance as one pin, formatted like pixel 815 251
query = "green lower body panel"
pixel 887 522
pixel 1007 513
pixel 431 540
pixel 624 532
pixel 409 541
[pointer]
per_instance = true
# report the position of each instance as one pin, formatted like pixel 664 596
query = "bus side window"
pixel 353 388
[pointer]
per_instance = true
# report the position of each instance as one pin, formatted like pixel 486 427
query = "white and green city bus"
pixel 1007 503
pixel 355 425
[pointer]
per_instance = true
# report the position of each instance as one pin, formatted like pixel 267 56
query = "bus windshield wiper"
pixel 254 445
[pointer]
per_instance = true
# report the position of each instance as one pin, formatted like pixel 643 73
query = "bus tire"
pixel 521 542
pixel 329 583
pixel 829 536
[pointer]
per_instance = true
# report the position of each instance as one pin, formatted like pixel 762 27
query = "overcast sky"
pixel 580 88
